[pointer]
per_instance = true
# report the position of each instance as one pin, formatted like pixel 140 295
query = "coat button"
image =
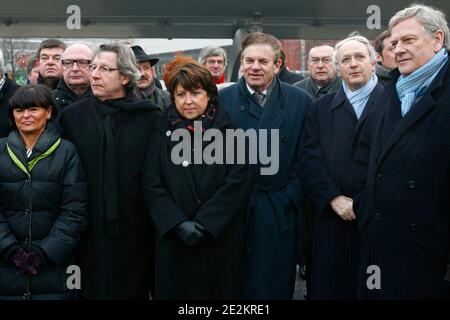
pixel 185 163
pixel 241 108
pixel 376 216
pixel 284 139
pixel 413 227
pixel 412 184
pixel 168 133
pixel 378 177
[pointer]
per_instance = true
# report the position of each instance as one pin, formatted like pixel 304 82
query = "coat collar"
pixel 62 85
pixel 423 105
pixel 221 121
pixel 44 142
pixel 340 99
pixel 272 115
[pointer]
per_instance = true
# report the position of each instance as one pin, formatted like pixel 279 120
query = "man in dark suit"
pixel 261 101
pixel 332 125
pixel 111 132
pixel 404 216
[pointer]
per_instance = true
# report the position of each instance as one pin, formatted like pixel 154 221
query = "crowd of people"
pixel 358 199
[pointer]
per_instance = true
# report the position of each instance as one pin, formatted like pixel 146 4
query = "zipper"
pixel 30 212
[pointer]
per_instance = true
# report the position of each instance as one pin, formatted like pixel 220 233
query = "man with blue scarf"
pixel 332 127
pixel 404 217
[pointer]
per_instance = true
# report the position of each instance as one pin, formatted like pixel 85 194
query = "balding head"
pixel 78 49
pixel 75 60
pixel 320 64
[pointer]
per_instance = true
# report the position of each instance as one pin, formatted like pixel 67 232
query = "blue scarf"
pixel 359 97
pixel 415 84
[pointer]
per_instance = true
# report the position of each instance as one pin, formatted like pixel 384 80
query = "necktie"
pixel 259 96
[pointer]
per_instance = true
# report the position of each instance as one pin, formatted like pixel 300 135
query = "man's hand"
pixel 343 206
pixel 190 232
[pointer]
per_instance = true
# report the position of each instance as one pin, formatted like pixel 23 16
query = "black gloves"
pixel 190 232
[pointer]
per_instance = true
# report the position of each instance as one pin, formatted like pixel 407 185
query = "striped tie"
pixel 259 96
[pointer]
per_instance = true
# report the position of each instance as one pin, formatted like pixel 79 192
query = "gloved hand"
pixel 190 232
pixel 27 262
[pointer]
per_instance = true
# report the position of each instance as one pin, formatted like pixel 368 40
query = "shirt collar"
pixel 253 91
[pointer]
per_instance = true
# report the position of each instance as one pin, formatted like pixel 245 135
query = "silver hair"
pixel 430 18
pixel 2 63
pixel 212 52
pixel 126 62
pixel 360 39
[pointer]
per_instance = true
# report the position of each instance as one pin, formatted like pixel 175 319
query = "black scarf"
pixel 176 121
pixel 108 174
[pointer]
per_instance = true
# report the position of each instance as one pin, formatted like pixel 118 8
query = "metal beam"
pixel 318 19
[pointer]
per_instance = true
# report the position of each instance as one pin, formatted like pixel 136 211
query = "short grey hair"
pixel 360 39
pixel 126 62
pixel 2 63
pixel 212 52
pixel 430 18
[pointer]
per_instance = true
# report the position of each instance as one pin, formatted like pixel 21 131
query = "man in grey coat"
pixel 322 75
pixel 404 215
pixel 146 87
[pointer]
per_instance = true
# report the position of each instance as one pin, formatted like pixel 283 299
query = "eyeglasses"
pixel 68 63
pixel 101 69
pixel 325 60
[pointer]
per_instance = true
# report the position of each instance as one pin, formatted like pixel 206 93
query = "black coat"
pixel 272 212
pixel 331 129
pixel 50 204
pixel 289 77
pixel 405 214
pixel 215 196
pixel 9 87
pixel 114 267
pixel 309 86
pixel 64 96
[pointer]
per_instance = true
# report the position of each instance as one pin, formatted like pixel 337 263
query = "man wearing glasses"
pixel 111 132
pixel 322 80
pixel 74 85
pixel 322 75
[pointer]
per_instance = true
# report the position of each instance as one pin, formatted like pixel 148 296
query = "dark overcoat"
pixel 216 196
pixel 405 215
pixel 330 131
pixel 114 266
pixel 272 211
pixel 64 96
pixel 8 89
